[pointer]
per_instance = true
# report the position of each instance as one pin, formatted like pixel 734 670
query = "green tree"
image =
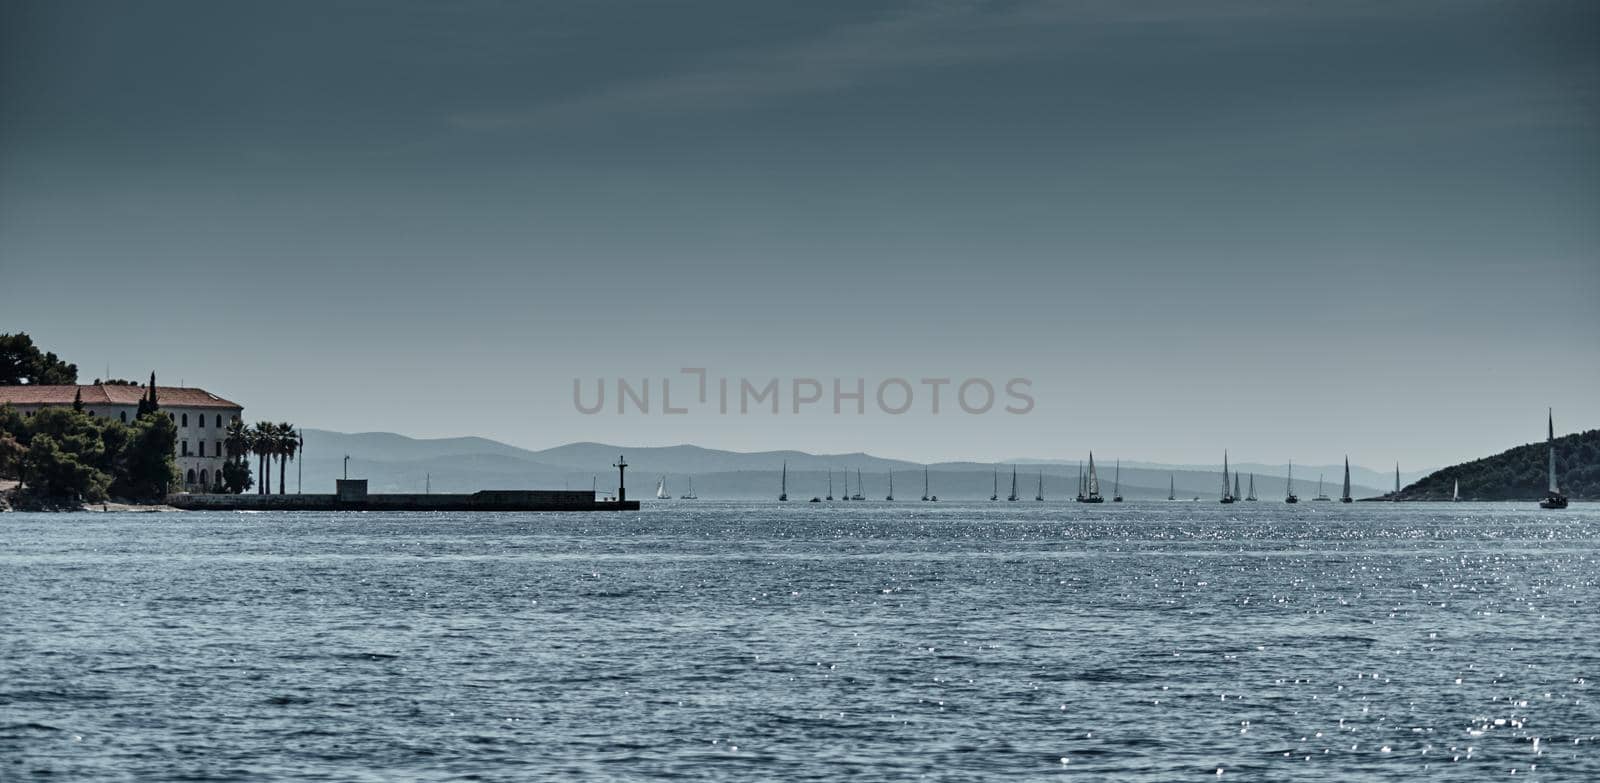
pixel 21 362
pixel 12 453
pixel 147 468
pixel 52 475
pixel 149 403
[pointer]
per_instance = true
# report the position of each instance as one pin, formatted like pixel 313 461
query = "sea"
pixel 753 641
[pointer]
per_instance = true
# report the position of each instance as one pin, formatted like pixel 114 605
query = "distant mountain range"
pixel 1520 473
pixel 396 463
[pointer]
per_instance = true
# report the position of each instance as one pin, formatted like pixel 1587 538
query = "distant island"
pixel 1519 473
pixel 396 463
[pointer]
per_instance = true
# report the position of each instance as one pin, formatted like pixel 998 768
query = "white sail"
pixel 1551 441
pixel 1226 490
pixel 661 489
pixel 1455 494
pixel 1094 481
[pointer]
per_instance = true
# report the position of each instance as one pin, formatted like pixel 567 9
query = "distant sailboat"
pixel 1080 483
pixel 1251 495
pixel 846 495
pixel 924 483
pixel 1289 496
pixel 1320 495
pixel 1236 495
pixel 1227 492
pixel 1396 497
pixel 995 493
pixel 690 494
pixel 783 488
pixel 1092 487
pixel 1455 494
pixel 858 495
pixel 1345 498
pixel 1553 498
pixel 1116 489
pixel 1172 487
pixel 1013 496
pixel 830 484
pixel 890 496
pixel 1040 495
pixel 661 489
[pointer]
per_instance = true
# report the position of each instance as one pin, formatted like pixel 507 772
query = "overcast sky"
pixel 1289 229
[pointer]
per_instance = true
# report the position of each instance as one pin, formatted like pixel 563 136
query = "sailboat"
pixel 1172 487
pixel 1289 496
pixel 1251 495
pixel 995 493
pixel 1345 498
pixel 1455 494
pixel 1396 497
pixel 1040 495
pixel 830 484
pixel 1013 496
pixel 783 488
pixel 890 496
pixel 690 495
pixel 1236 494
pixel 1553 498
pixel 1320 495
pixel 924 483
pixel 1227 493
pixel 846 495
pixel 1116 489
pixel 661 489
pixel 1080 483
pixel 1092 488
pixel 858 495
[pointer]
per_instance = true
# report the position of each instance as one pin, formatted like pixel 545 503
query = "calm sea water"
pixel 868 641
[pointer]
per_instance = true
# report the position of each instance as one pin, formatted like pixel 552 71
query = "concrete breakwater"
pixel 352 496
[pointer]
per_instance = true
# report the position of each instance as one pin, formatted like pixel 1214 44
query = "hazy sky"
pixel 1291 229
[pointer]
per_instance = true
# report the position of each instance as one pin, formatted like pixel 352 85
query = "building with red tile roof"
pixel 201 417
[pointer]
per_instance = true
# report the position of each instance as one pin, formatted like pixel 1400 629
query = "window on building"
pixel 220 451
pixel 186 453
pixel 191 476
pixel 124 416
pixel 202 420
pixel 202 448
pixel 204 481
pixel 219 420
pixel 185 419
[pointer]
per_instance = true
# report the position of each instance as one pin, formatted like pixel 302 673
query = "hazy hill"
pixel 395 463
pixel 1519 473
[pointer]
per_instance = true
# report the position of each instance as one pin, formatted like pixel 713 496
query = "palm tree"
pixel 288 441
pixel 238 441
pixel 237 444
pixel 262 443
